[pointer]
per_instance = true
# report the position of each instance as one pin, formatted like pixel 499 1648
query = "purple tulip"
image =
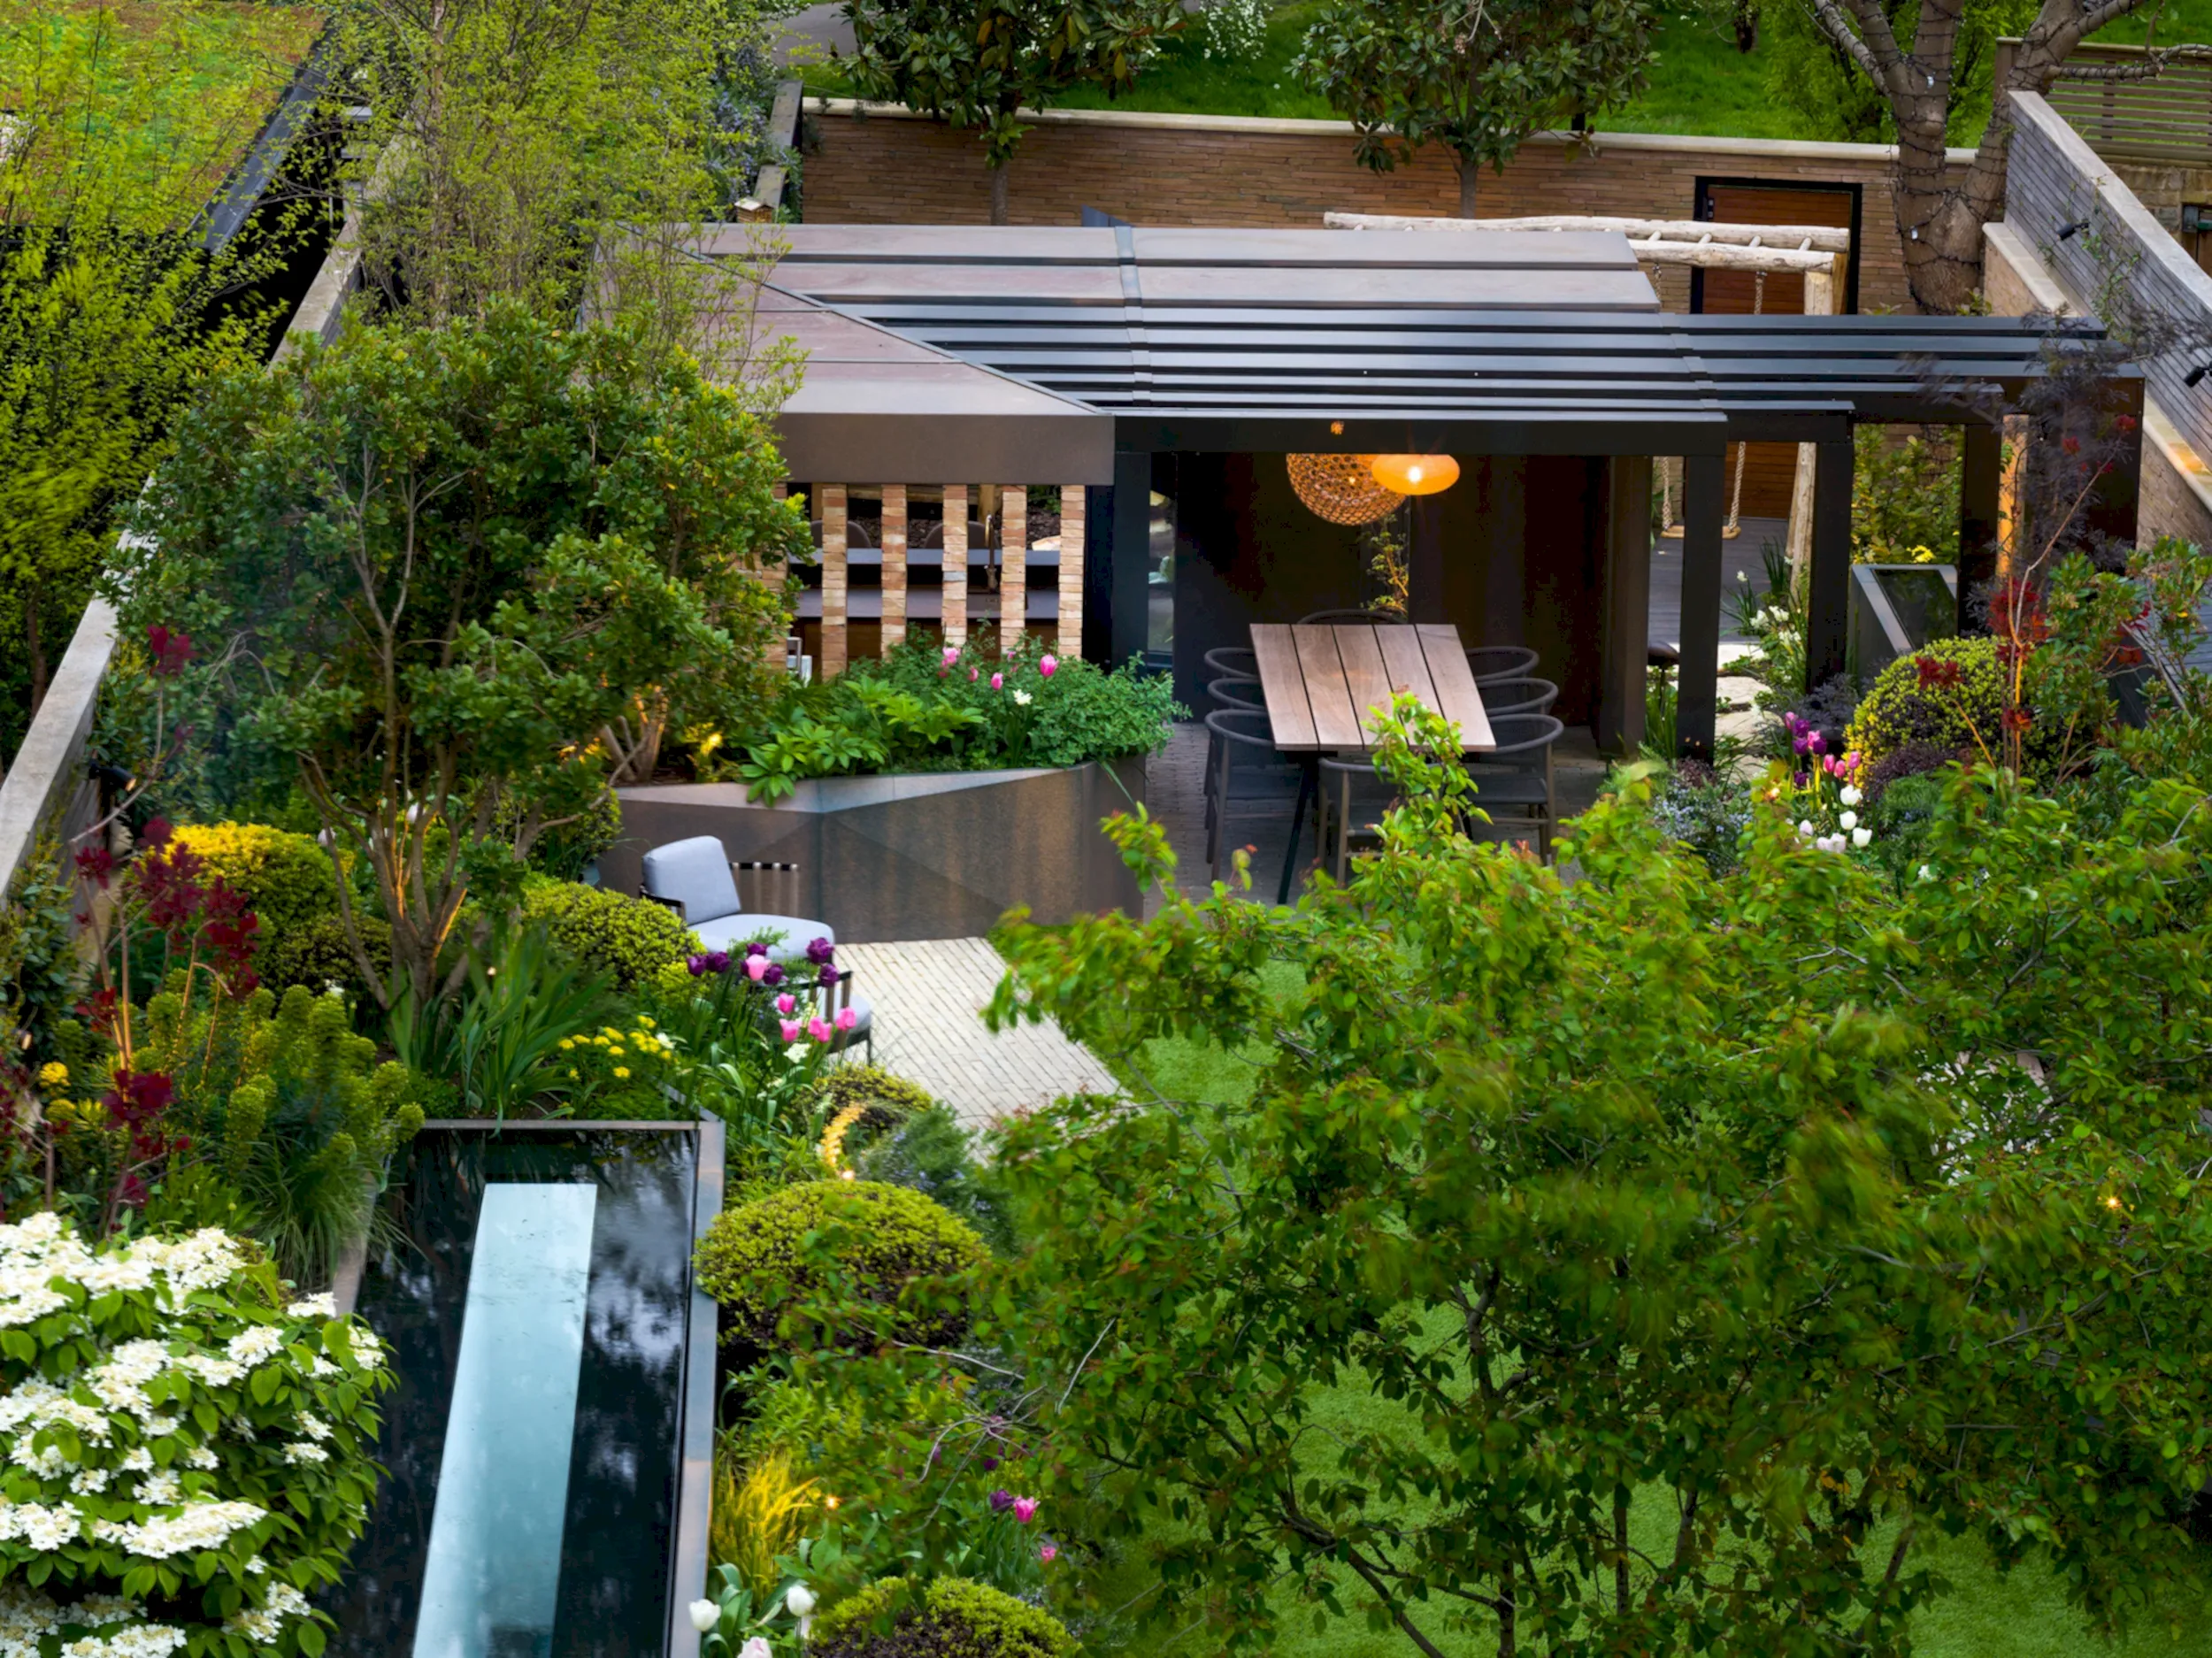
pixel 717 960
pixel 1002 1499
pixel 773 976
pixel 829 975
pixel 820 951
pixel 758 947
pixel 697 964
pixel 1803 745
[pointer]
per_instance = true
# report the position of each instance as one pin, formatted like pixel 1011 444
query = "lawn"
pixel 1701 83
pixel 2024 1615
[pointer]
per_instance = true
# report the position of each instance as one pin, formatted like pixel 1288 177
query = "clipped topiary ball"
pixel 952 1617
pixel 755 1260
pixel 317 955
pixel 1955 700
pixel 286 879
pixel 630 938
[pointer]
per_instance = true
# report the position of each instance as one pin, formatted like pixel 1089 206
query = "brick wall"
pixel 880 168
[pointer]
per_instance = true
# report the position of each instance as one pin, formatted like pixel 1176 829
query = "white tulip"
pixel 1849 821
pixel 800 1600
pixel 757 1647
pixel 1805 829
pixel 1862 837
pixel 1926 873
pixel 1851 795
pixel 704 1615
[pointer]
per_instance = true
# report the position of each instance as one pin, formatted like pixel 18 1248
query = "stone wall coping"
pixel 1772 149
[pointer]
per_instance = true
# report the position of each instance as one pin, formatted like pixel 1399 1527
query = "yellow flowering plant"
pixel 625 1071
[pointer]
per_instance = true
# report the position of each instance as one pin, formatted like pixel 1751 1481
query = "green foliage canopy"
pixel 1807 1219
pixel 452 581
pixel 1479 79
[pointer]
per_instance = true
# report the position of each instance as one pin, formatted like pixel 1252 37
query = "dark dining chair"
pixel 1233 659
pixel 1516 776
pixel 1501 697
pixel 1321 619
pixel 1233 692
pixel 1245 778
pixel 1500 662
pixel 1353 797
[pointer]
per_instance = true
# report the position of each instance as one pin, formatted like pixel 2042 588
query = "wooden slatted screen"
pixel 2167 118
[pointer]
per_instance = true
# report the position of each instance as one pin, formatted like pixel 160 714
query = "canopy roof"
pixel 1030 355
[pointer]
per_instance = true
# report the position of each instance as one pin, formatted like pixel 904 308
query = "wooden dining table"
pixel 1326 685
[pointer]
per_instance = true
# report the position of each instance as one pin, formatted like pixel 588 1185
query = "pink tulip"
pixel 790 1030
pixel 755 966
pixel 972 673
pixel 1048 666
pixel 998 682
pixel 846 1019
pixel 1025 1510
pixel 1049 1552
pixel 784 1004
pixel 818 1031
pixel 952 655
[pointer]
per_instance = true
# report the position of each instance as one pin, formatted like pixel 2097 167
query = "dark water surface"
pixel 620 1505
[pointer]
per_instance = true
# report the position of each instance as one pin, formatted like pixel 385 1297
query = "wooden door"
pixel 1770 469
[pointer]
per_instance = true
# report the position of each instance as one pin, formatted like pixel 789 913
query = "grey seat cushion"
pixel 733 933
pixel 695 874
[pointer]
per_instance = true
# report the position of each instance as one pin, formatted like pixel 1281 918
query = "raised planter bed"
pixel 940 855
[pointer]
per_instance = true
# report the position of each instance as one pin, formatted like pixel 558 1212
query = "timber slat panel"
pixel 1364 676
pixel 1456 697
pixel 1283 687
pixel 1402 661
pixel 1336 723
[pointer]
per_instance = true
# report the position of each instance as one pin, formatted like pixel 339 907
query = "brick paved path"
pixel 928 995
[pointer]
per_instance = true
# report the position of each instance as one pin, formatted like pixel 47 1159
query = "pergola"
pixel 1075 355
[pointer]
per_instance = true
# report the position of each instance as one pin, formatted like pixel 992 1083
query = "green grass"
pixel 1986 1614
pixel 1701 84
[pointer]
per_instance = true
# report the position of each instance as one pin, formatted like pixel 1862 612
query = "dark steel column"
pixel 1697 706
pixel 1829 601
pixel 1117 603
pixel 1981 480
pixel 1425 560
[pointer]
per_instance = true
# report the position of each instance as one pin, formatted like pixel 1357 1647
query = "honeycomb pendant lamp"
pixel 1341 489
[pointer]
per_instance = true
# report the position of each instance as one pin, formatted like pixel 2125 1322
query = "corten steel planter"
pixel 938 855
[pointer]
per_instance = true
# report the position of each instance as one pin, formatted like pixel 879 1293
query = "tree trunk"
pixel 1746 26
pixel 1468 173
pixel 35 645
pixel 998 194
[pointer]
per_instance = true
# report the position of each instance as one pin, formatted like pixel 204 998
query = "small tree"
pixel 979 63
pixel 1916 72
pixel 1657 1263
pixel 456 583
pixel 1479 77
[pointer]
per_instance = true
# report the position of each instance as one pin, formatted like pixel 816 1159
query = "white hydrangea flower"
pixel 201 1525
pixel 322 1366
pixel 44 1529
pixel 89 1482
pixel 162 1427
pixel 200 1456
pixel 256 1344
pixel 121 1383
pixel 313 1427
pixel 323 1306
pixel 146 1640
pixel 138 1459
pixel 304 1453
pixel 159 1491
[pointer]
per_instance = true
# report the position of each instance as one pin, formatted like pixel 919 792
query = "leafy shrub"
pixel 932 1153
pixel 1904 500
pixel 629 938
pixel 759 1508
pixel 862 1103
pixel 285 878
pixel 1699 809
pixel 562 853
pixel 317 954
pixel 1904 706
pixel 1911 759
pixel 881 1244
pixel 916 710
pixel 950 1617
pixel 185 1436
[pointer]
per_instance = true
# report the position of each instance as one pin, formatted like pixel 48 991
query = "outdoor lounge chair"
pixel 694 879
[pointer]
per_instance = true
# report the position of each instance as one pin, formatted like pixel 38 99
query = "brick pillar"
pixel 1013 598
pixel 1070 642
pixel 893 566
pixel 832 580
pixel 955 611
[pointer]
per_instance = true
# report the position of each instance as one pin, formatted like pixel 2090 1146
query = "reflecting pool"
pixel 533 1293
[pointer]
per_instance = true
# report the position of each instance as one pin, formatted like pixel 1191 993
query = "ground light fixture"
pixel 1414 474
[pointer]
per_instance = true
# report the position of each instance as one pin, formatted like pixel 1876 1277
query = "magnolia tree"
pixel 456 583
pixel 1477 77
pixel 982 63
pixel 189 1447
pixel 1656 1263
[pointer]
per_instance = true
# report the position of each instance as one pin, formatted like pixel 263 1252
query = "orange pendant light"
pixel 1414 474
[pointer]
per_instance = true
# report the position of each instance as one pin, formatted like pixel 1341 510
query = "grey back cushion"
pixel 695 874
